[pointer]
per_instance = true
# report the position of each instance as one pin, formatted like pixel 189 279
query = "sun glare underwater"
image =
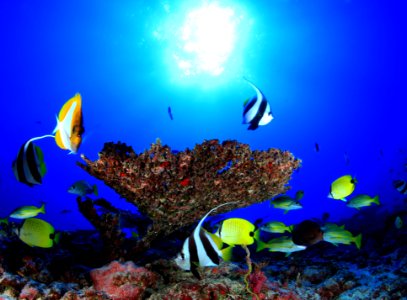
pixel 323 81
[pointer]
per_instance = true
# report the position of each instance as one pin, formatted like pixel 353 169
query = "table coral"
pixel 175 189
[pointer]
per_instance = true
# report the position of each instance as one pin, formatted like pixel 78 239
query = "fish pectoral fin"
pixel 57 126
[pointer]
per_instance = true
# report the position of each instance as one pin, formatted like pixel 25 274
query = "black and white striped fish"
pixel 199 249
pixel 257 111
pixel 401 186
pixel 29 167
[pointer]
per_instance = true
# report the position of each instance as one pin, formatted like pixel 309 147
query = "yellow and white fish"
pixel 69 129
pixel 280 244
pixel 276 227
pixel 335 234
pixel 362 201
pixel 28 211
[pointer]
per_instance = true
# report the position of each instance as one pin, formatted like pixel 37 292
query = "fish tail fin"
pixel 358 241
pixel 40 155
pixel 261 245
pixel 290 228
pixel 256 235
pixel 376 200
pixel 227 253
pixel 42 208
pixel 95 190
pixel 57 238
pixel 43 169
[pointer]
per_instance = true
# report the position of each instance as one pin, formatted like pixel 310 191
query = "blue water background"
pixel 333 71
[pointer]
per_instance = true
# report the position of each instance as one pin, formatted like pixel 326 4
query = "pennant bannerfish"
pixel 257 111
pixel 199 249
pixel 69 129
pixel 29 166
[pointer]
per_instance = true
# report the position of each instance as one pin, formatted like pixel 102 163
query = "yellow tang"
pixel 236 231
pixel 342 187
pixel 69 129
pixel 37 233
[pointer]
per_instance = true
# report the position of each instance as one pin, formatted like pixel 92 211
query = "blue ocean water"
pixel 334 73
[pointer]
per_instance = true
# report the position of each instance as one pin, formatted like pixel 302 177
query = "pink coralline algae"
pixel 123 281
pixel 175 189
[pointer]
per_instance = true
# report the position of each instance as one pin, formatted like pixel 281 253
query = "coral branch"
pixel 174 189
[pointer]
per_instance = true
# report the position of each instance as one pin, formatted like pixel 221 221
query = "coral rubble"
pixel 174 189
pixel 321 272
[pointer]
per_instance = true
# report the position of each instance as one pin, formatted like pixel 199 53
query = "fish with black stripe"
pixel 256 111
pixel 199 249
pixel 401 186
pixel 29 167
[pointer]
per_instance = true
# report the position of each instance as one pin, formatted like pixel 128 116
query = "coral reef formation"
pixel 174 189
pixel 72 271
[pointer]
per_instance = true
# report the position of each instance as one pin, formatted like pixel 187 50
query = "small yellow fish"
pixel 236 231
pixel 280 244
pixel 286 202
pixel 276 227
pixel 37 233
pixel 335 234
pixel 362 201
pixel 69 129
pixel 342 187
pixel 28 211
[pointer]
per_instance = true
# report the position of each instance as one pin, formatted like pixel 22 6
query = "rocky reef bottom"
pixel 323 271
pixel 73 269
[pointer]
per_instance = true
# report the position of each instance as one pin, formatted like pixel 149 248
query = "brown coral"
pixel 176 189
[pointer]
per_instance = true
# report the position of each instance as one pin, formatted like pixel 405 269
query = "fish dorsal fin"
pixel 77 100
pixel 258 92
pixel 213 209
